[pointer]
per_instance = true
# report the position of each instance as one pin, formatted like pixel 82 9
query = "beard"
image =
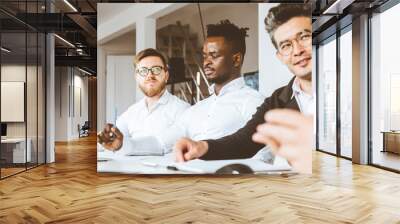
pixel 152 91
pixel 219 79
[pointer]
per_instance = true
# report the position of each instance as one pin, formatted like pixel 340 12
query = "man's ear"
pixel 237 59
pixel 166 75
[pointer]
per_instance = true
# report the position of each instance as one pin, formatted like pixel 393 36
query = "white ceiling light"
pixel 337 7
pixel 5 50
pixel 65 41
pixel 70 5
pixel 86 72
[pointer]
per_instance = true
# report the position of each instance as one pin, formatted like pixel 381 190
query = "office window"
pixel 385 89
pixel 22 91
pixel 346 93
pixel 327 96
pixel 13 86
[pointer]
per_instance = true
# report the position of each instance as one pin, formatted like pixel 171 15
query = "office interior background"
pixel 338 86
pixel 55 63
pixel 49 59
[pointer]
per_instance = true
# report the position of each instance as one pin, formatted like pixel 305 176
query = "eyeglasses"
pixel 303 39
pixel 155 70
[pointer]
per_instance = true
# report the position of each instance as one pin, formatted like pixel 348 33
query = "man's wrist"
pixel 121 143
pixel 204 146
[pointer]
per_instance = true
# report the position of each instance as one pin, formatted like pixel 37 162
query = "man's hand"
pixel 187 149
pixel 290 135
pixel 110 138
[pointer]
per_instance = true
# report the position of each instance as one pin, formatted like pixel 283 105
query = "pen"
pixel 174 168
pixel 185 169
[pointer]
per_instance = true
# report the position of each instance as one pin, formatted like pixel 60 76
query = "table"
pixel 391 141
pixel 110 162
pixel 16 153
pixel 117 163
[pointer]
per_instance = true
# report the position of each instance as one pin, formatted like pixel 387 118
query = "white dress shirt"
pixel 216 116
pixel 306 104
pixel 305 101
pixel 140 124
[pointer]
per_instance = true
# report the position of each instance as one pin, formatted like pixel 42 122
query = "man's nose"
pixel 150 76
pixel 298 49
pixel 206 62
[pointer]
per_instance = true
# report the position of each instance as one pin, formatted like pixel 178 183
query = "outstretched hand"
pixel 290 135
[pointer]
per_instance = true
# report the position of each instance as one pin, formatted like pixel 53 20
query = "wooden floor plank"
pixel 71 191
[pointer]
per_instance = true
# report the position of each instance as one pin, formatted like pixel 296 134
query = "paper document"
pixel 198 166
pixel 143 146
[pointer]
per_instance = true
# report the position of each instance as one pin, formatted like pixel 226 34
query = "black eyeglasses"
pixel 303 39
pixel 155 70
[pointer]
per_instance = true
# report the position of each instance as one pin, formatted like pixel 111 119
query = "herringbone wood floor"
pixel 70 191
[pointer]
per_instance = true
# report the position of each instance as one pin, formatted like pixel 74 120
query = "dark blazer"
pixel 239 145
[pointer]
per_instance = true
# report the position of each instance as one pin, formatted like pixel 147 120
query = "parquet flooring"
pixel 10 171
pixel 70 191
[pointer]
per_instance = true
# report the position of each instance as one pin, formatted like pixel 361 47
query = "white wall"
pixel 124 21
pixel 62 81
pixel 120 86
pixel 17 73
pixel 67 82
pixel 273 74
pixel 122 45
pixel 33 126
pixel 79 117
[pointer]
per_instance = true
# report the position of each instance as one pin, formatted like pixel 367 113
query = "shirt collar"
pixel 163 100
pixel 297 90
pixel 233 85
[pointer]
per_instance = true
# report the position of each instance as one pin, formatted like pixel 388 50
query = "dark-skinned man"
pixel 290 30
pixel 231 102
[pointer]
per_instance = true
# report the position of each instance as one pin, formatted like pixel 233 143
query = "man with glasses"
pixel 149 117
pixel 289 27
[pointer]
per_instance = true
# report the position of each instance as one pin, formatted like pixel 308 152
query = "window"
pixel 385 89
pixel 346 93
pixel 327 96
pixel 23 77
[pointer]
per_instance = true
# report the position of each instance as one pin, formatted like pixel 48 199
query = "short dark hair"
pixel 282 13
pixel 231 33
pixel 150 52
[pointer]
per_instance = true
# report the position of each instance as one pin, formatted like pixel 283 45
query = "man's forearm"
pixel 231 148
pixel 238 145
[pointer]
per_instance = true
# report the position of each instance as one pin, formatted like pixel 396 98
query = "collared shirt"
pixel 140 122
pixel 305 101
pixel 216 116
pixel 306 104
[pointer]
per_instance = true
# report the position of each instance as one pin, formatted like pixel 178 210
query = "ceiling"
pixel 77 21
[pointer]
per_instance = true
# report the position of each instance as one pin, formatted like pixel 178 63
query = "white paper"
pixel 143 146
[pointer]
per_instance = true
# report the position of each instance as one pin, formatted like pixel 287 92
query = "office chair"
pixel 84 130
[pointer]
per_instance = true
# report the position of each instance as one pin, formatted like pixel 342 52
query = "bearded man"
pixel 150 116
